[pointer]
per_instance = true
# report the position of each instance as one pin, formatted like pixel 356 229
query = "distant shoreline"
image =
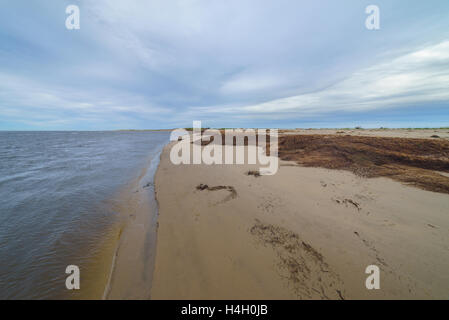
pixel 283 129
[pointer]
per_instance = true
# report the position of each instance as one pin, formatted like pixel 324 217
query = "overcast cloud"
pixel 161 64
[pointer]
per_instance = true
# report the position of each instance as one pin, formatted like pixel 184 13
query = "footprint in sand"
pixel 269 204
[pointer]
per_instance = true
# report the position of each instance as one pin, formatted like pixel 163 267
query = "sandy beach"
pixel 304 233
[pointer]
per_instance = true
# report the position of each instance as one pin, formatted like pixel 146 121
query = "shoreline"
pixel 304 233
pixel 132 265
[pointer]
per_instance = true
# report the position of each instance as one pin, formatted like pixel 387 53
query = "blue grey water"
pixel 54 191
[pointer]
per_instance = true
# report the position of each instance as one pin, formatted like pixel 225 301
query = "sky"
pixel 145 64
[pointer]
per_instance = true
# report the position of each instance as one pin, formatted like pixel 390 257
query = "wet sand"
pixel 304 233
pixel 132 265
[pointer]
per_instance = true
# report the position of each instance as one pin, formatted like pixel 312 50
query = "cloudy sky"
pixel 246 63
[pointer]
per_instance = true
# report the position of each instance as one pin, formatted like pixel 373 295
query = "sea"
pixel 58 191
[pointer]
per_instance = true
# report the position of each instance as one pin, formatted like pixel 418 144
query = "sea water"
pixel 56 190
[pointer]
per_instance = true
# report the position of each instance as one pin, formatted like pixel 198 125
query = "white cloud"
pixel 20 94
pixel 248 83
pixel 417 77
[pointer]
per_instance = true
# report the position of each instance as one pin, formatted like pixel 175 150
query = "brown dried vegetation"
pixel 412 161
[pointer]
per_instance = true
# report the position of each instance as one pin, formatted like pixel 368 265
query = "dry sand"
pixel 304 233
